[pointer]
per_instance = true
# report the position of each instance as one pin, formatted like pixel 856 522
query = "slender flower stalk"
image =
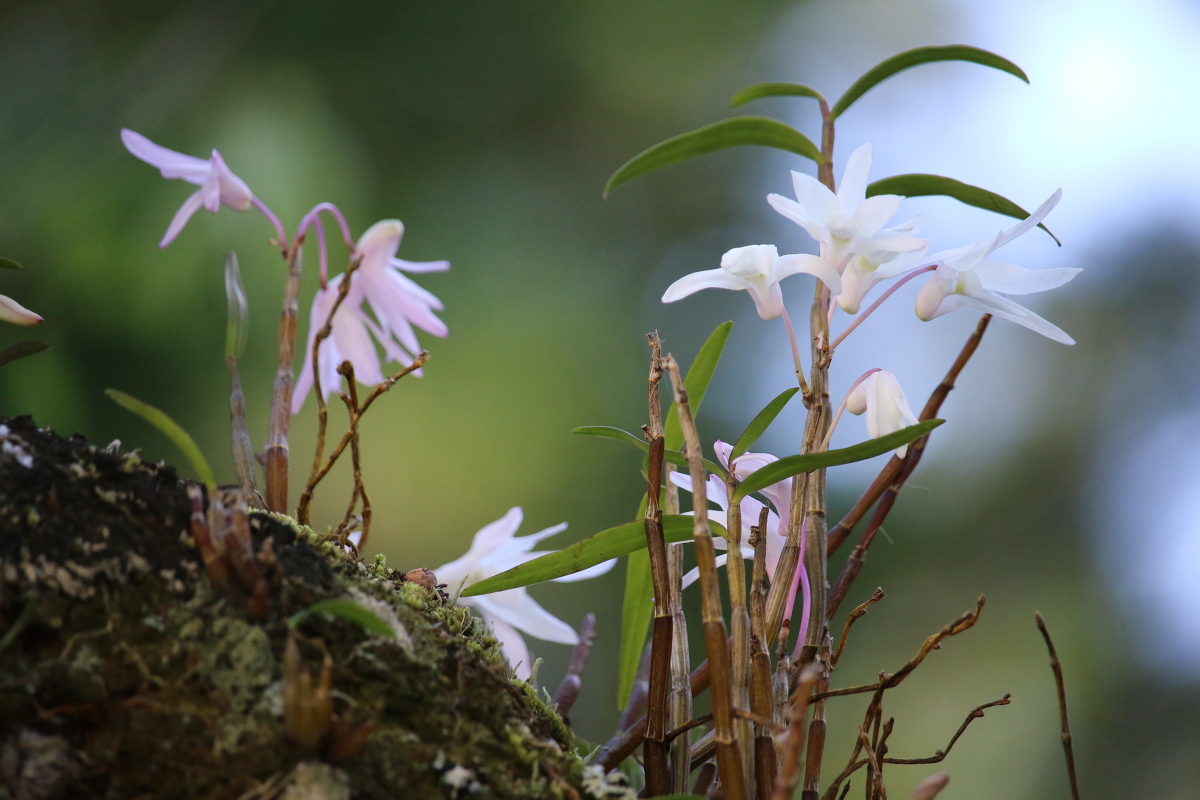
pixel 858 320
pixel 842 407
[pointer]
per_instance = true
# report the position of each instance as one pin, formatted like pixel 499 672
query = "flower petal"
pixel 818 203
pixel 419 266
pixel 170 163
pixel 811 265
pixel 796 213
pixel 17 314
pixel 512 645
pixel 1029 223
pixel 1000 276
pixel 234 191
pixel 1000 306
pixel 874 212
pixel 518 609
pixel 706 279
pixel 853 188
pixel 590 572
pixel 185 212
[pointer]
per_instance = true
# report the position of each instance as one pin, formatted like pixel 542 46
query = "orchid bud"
pixel 880 397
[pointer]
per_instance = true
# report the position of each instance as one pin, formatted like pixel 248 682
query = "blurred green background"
pixel 489 129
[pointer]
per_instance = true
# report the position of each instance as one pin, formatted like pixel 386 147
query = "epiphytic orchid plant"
pixel 765 735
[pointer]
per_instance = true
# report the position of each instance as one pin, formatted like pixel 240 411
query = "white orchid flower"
pixel 496 548
pixel 757 268
pixel 218 185
pixel 880 397
pixel 397 302
pixel 780 495
pixel 865 270
pixel 964 277
pixel 847 223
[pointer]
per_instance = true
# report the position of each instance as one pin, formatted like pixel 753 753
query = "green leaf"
pixel 921 185
pixel 8 263
pixel 636 615
pixel 923 55
pixel 761 422
pixel 237 327
pixel 670 456
pixel 21 350
pixel 699 375
pixel 736 132
pixel 760 90
pixel 619 541
pixel 171 428
pixel 348 610
pixel 785 468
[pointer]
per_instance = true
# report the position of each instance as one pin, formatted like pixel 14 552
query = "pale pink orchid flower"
pixel 218 185
pixel 495 549
pixel 880 396
pixel 758 269
pixel 966 277
pixel 398 304
pixel 779 494
pixel 847 223
pixel 17 314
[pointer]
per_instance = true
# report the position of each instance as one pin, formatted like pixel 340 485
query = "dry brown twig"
pixel 793 745
pixel 850 620
pixel 976 713
pixel 1060 685
pixel 572 683
pixel 275 467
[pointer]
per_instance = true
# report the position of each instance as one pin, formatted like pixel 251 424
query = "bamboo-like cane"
pixel 729 761
pixel 235 342
pixel 275 470
pixel 681 661
pixel 793 746
pixel 760 663
pixel 817 729
pixel 739 619
pixel 658 777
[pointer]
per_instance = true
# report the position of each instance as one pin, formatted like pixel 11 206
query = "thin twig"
pixel 572 683
pixel 302 509
pixel 1056 666
pixel 854 615
pixel 275 470
pixel 674 733
pixel 976 713
pixel 360 492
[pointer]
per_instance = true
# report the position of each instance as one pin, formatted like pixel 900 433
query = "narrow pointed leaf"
pixel 923 55
pixel 619 541
pixel 699 375
pixel 922 185
pixel 760 90
pixel 736 132
pixel 785 468
pixel 8 263
pixel 761 422
pixel 348 610
pixel 637 612
pixel 670 456
pixel 178 436
pixel 21 350
pixel 237 327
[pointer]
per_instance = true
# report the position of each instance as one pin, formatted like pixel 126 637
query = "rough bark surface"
pixel 124 674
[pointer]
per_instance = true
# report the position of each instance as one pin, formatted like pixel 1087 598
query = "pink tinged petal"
pixel 796 213
pixel 707 279
pixel 354 342
pixel 234 191
pixel 211 192
pixel 853 188
pixel 682 480
pixel 1030 223
pixel 814 198
pixel 874 212
pixel 810 265
pixel 512 645
pixel 378 245
pixel 17 314
pixel 518 609
pixel 722 450
pixel 170 163
pixel 1000 276
pixel 419 266
pixel 692 575
pixel 590 572
pixel 185 212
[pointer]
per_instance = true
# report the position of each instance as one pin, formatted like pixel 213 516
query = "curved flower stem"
pixel 858 320
pixel 787 323
pixel 323 254
pixel 838 414
pixel 333 211
pixel 281 235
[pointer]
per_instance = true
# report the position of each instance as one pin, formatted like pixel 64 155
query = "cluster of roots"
pixel 125 673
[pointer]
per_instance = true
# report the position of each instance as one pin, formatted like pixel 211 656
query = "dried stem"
pixel 793 745
pixel 817 728
pixel 658 776
pixel 739 618
pixel 854 615
pixel 360 492
pixel 887 476
pixel 729 760
pixel 760 662
pixel 1056 666
pixel 681 688
pixel 302 511
pixel 572 683
pixel 275 471
pixel 243 450
pixel 976 713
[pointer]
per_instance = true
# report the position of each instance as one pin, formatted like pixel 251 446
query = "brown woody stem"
pixel 275 470
pixel 1056 666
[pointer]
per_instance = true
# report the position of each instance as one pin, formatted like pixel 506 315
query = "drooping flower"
pixel 880 397
pixel 757 268
pixel 964 277
pixel 865 270
pixel 847 223
pixel 398 303
pixel 497 548
pixel 218 185
pixel 780 495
